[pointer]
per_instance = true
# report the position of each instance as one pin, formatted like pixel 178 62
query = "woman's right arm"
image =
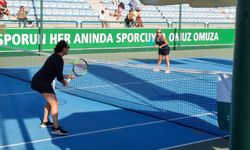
pixel 59 71
pixel 59 74
pixel 1 7
pixel 156 45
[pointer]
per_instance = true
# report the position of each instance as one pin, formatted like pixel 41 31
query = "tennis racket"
pixel 80 67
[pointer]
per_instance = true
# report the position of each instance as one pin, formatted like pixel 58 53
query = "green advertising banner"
pixel 28 38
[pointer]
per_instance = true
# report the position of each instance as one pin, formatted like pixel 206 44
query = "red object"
pixel 3 3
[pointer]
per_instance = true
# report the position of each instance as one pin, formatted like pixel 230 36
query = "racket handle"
pixel 68 80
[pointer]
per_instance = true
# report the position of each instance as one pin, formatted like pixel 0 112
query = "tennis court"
pixel 120 104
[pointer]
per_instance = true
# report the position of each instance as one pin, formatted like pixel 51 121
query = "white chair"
pixel 47 12
pixel 95 13
pixel 10 3
pixel 105 1
pixel 69 12
pixel 45 18
pixel 73 18
pixel 65 5
pixel 31 12
pixel 24 3
pixel 233 10
pixel 79 5
pixel 86 6
pixel 45 5
pixel 53 4
pixel 232 16
pixel 79 19
pixel 83 12
pixel 59 5
pixel 67 18
pixel 89 13
pixel 73 5
pixel 94 19
pixel 55 11
pixel 62 12
pixel 87 19
pixel 38 11
pixel 17 4
pixel 75 12
pixel 59 18
pixel 30 4
pixel 38 4
pixel 50 18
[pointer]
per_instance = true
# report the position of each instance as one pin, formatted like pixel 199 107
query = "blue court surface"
pixel 172 119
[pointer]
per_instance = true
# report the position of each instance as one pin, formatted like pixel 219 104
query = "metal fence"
pixel 111 24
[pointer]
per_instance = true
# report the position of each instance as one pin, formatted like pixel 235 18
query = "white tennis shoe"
pixel 157 69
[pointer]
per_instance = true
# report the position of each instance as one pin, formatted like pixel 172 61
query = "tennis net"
pixel 185 97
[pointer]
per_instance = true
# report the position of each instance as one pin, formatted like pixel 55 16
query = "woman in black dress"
pixel 163 51
pixel 42 83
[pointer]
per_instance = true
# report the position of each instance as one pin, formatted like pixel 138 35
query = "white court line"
pixel 102 86
pixel 131 83
pixel 192 116
pixel 191 143
pixel 81 134
pixel 14 94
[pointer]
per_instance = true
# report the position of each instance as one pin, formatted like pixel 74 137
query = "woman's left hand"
pixel 71 77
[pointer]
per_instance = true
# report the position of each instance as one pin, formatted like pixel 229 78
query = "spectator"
pixel 118 12
pixel 133 4
pixel 2 26
pixel 103 19
pixel 139 22
pixel 130 19
pixel 1 15
pixel 22 14
pixel 4 9
pixel 115 2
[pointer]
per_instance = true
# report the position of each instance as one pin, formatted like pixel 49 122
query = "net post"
pixel 240 124
pixel 175 38
pixel 179 31
pixel 41 27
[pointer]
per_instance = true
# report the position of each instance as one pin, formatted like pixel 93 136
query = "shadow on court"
pixel 21 113
pixel 217 61
pixel 151 99
pixel 98 126
pixel 192 63
pixel 123 130
pixel 15 108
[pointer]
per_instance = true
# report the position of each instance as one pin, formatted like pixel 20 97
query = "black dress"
pixel 164 50
pixel 52 68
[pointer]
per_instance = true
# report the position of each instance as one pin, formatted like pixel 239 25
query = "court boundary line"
pixel 69 88
pixel 20 93
pixel 101 86
pixel 193 116
pixel 83 133
pixel 191 143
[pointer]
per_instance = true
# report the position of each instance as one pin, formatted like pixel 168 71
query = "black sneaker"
pixel 46 124
pixel 59 131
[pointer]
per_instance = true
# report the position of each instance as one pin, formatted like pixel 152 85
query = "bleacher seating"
pixel 206 15
pixel 80 10
pixel 70 10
